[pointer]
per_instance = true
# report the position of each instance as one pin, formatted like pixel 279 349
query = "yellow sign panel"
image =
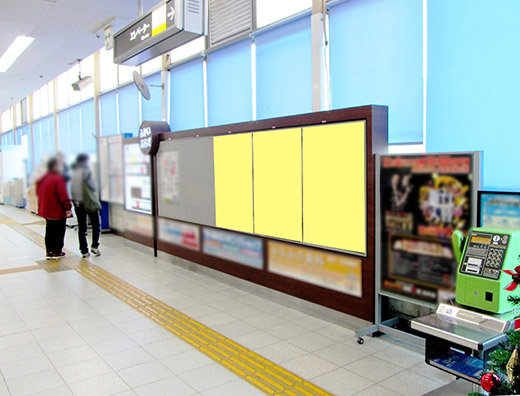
pixel 159 20
pixel 233 160
pixel 334 191
pixel 330 270
pixel 278 184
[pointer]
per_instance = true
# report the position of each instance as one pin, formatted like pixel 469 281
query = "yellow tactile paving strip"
pixel 267 376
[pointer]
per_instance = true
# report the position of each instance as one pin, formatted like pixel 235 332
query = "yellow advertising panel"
pixel 334 207
pixel 233 156
pixel 330 270
pixel 277 165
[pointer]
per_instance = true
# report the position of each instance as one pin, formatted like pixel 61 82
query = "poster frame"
pixel 381 324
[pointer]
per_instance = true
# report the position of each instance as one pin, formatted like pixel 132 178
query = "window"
pixel 108 110
pixel 63 132
pixel 270 11
pixel 187 96
pixel 152 65
pixel 376 58
pixel 230 85
pixel 38 153
pixel 473 84
pixel 62 90
pixel 152 109
pixel 107 70
pixel 88 127
pixel 37 104
pixel 73 74
pixel 44 100
pixel 50 90
pixel 7 138
pixel 187 50
pixel 284 70
pixel 74 132
pixel 87 69
pixel 47 136
pixel 129 120
pixel 18 114
pixel 125 73
pixel 7 119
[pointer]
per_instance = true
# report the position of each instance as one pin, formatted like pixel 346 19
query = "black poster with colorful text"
pixel 424 198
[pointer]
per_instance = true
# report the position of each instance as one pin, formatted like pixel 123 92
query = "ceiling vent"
pixel 229 20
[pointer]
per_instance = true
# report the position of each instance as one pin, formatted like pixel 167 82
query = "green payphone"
pixel 481 282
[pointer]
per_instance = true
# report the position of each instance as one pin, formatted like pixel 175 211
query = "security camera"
pixel 82 83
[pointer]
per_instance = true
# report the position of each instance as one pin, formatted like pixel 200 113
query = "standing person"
pixel 53 205
pixel 64 167
pixel 83 190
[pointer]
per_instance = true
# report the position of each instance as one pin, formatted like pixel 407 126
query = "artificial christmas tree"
pixel 503 375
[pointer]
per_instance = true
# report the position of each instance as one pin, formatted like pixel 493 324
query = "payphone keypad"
pixel 485 254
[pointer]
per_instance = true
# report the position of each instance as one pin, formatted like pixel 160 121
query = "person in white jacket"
pixel 81 177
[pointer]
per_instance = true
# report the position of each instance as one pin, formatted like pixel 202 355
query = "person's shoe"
pixel 49 256
pixel 95 252
pixel 85 255
pixel 58 256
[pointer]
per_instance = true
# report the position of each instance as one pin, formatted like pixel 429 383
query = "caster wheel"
pixel 360 341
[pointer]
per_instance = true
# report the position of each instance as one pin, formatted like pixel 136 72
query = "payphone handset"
pixel 481 281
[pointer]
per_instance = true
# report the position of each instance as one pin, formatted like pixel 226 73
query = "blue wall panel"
pixel 74 130
pixel 229 85
pixel 473 86
pixel 48 137
pixel 284 70
pixel 63 132
pixel 187 96
pixel 88 127
pixel 152 109
pixel 108 110
pixel 376 58
pixel 129 109
pixel 37 138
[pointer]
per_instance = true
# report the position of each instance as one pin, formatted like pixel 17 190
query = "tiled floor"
pixel 61 334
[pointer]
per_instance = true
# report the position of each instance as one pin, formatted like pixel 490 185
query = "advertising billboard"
pixel 318 267
pixel 424 198
pixel 234 247
pixel 181 234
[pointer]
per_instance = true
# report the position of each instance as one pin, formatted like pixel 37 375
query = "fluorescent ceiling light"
pixel 17 47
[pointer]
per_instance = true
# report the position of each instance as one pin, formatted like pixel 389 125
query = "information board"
pixel 138 185
pixel 424 198
pixel 498 209
pixel 115 169
pixel 104 181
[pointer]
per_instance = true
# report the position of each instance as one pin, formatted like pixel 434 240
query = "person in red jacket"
pixel 54 205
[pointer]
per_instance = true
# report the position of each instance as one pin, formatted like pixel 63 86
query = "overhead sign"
pixel 150 25
pixel 160 30
pixel 109 38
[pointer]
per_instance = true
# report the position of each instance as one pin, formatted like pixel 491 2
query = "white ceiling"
pixel 64 30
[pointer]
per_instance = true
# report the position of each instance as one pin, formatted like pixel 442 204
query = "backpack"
pixel 90 199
